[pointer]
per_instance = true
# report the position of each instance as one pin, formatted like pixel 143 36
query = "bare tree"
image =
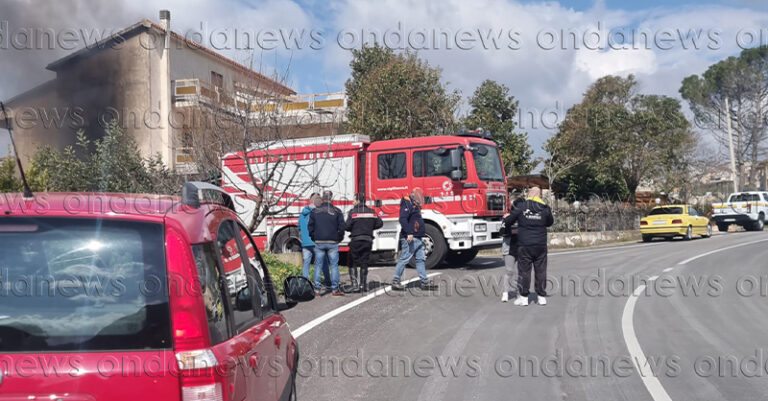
pixel 251 125
pixel 558 163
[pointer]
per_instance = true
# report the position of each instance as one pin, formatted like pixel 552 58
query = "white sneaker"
pixel 542 300
pixel 505 297
pixel 521 301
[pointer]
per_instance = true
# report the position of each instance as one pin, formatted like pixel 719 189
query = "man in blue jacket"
pixel 307 245
pixel 411 232
pixel 326 228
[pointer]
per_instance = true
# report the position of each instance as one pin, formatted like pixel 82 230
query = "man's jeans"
pixel 307 253
pixel 408 250
pixel 331 251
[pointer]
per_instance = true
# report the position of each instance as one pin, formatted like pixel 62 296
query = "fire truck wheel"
pixel 434 247
pixel 287 240
pixel 461 258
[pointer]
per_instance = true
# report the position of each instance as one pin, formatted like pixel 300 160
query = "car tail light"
pixel 749 208
pixel 199 379
pixel 190 329
pixel 677 222
pixel 197 364
pixel 643 223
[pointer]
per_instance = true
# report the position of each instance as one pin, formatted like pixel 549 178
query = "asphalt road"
pixel 670 320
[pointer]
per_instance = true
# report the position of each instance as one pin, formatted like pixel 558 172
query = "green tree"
pixel 109 164
pixel 494 109
pixel 8 180
pixel 397 96
pixel 743 80
pixel 616 139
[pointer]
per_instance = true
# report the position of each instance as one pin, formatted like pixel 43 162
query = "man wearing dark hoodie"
pixel 308 246
pixel 532 218
pixel 326 228
pixel 411 232
pixel 361 222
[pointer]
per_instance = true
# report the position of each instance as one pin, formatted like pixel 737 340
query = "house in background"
pixel 150 78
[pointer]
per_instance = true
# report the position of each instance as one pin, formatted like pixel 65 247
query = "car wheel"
pixel 647 238
pixel 461 258
pixel 709 231
pixel 689 234
pixel 722 227
pixel 435 248
pixel 287 240
pixel 760 225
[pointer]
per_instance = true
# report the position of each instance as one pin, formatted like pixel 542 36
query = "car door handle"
pixel 254 360
pixel 277 341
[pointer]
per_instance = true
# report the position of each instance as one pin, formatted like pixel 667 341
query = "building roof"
pixel 146 25
pixel 520 182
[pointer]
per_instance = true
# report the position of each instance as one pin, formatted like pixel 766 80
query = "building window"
pixel 391 166
pixel 217 80
pixel 186 140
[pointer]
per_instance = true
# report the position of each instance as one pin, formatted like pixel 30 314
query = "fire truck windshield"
pixel 487 162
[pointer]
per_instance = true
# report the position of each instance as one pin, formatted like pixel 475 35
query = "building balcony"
pixel 185 161
pixel 196 92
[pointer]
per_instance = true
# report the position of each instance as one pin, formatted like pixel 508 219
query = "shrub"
pixel 112 163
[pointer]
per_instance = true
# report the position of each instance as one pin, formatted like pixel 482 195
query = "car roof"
pixel 136 207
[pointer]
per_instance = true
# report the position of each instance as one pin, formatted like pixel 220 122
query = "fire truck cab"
pixel 462 177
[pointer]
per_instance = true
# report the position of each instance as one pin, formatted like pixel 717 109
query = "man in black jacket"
pixel 411 232
pixel 361 222
pixel 532 218
pixel 326 228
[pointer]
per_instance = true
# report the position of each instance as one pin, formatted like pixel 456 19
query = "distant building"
pixel 150 78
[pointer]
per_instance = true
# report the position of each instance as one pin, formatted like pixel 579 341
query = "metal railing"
pixel 196 90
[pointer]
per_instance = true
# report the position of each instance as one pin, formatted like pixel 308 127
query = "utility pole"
pixel 730 143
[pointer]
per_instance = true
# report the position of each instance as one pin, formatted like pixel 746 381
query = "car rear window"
pixel 666 210
pixel 745 198
pixel 71 284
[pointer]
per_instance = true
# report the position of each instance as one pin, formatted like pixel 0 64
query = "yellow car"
pixel 675 221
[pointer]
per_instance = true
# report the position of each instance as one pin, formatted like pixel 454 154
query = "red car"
pixel 139 297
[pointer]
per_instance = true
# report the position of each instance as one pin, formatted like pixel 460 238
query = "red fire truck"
pixel 462 176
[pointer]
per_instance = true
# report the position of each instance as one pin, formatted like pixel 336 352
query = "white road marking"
pixel 642 365
pixel 667 270
pixel 322 319
pixel 650 380
pixel 685 262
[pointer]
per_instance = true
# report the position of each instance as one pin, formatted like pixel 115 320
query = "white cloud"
pixel 540 78
pixel 616 62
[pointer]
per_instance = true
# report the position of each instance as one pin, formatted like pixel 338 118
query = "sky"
pixel 546 52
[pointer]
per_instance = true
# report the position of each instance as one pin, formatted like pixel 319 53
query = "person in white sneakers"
pixel 532 217
pixel 509 254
